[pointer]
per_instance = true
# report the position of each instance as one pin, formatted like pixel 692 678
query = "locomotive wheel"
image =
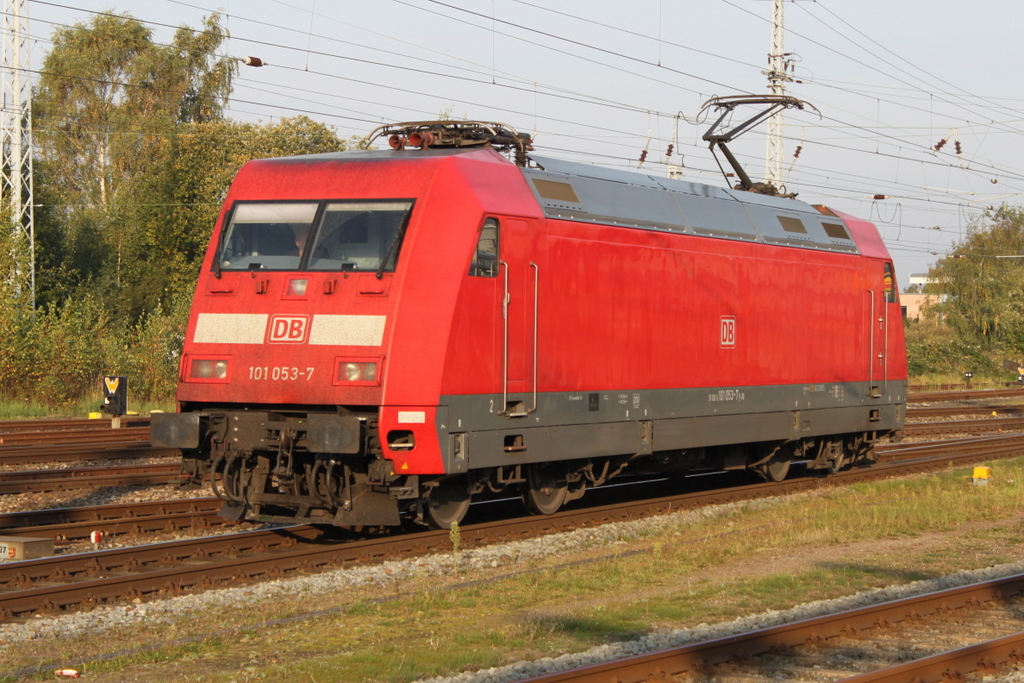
pixel 777 468
pixel 545 490
pixel 448 503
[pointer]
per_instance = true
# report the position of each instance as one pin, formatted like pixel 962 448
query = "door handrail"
pixel 504 363
pixel 871 339
pixel 536 301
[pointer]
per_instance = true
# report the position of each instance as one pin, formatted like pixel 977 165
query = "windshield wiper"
pixel 391 249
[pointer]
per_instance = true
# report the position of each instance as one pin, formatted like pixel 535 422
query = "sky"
pixel 600 81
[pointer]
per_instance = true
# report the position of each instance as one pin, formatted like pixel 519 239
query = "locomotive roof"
pixel 583 192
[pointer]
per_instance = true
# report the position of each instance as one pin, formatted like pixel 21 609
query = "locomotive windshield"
pixel 361 236
pixel 344 235
pixel 267 236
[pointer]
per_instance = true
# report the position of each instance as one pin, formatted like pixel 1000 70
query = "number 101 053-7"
pixel 279 373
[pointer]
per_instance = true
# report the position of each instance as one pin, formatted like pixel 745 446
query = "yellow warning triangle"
pixel 404 466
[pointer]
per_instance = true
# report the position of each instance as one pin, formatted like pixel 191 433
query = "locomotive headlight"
pixel 212 369
pixel 362 372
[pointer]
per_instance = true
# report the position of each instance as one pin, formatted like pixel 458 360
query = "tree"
pixel 983 280
pixel 134 158
pixel 107 100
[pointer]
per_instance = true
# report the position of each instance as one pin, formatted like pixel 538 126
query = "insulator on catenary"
pixel 643 156
pixel 796 154
pixel 956 146
pixel 253 61
pixel 880 196
pixel 670 148
pixel 940 144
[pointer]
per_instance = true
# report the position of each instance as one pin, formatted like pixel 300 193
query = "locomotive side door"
pixel 882 295
pixel 520 276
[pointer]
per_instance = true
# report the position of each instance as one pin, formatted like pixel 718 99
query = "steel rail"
pixel 966 395
pixel 946 411
pixel 990 424
pixel 44 454
pixel 67 479
pixel 127 518
pixel 985 658
pixel 941 445
pixel 72 436
pixel 53 425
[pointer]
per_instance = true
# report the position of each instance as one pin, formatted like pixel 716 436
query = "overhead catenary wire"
pixel 377 110
pixel 381 63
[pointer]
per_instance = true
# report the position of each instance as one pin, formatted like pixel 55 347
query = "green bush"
pixel 58 355
pixel 935 349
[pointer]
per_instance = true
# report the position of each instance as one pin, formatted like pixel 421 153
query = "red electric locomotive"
pixel 387 334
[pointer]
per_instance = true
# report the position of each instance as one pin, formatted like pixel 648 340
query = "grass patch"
pixel 28 410
pixel 757 557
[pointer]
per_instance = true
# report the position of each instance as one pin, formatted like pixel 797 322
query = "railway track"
pixel 916 412
pixel 69 582
pixel 26 446
pixel 77 478
pixel 990 424
pixel 72 524
pixel 965 395
pixel 945 635
pixel 49 425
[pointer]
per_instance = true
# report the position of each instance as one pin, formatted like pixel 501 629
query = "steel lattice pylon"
pixel 777 78
pixel 16 191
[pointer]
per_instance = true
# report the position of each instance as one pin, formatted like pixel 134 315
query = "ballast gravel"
pixel 512 557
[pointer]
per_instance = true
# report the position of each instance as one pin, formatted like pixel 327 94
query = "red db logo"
pixel 728 332
pixel 288 329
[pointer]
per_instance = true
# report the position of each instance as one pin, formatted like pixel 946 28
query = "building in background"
pixel 914 299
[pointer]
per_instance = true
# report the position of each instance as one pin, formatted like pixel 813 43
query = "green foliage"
pixel 108 100
pixel 935 348
pixel 133 160
pixel 984 289
pixel 979 320
pixel 108 95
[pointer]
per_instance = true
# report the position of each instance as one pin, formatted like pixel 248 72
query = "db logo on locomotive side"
pixel 288 329
pixel 728 332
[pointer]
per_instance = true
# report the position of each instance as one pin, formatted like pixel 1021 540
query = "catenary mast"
pixel 16 189
pixel 778 66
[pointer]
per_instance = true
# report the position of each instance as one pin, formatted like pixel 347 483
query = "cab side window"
pixel 889 284
pixel 485 258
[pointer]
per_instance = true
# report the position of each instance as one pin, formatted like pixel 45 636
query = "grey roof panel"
pixel 597 172
pixel 780 203
pixel 607 202
pixel 698 189
pixel 716 217
pixel 798 228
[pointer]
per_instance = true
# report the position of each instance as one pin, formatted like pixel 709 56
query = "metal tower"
pixel 778 66
pixel 16 190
